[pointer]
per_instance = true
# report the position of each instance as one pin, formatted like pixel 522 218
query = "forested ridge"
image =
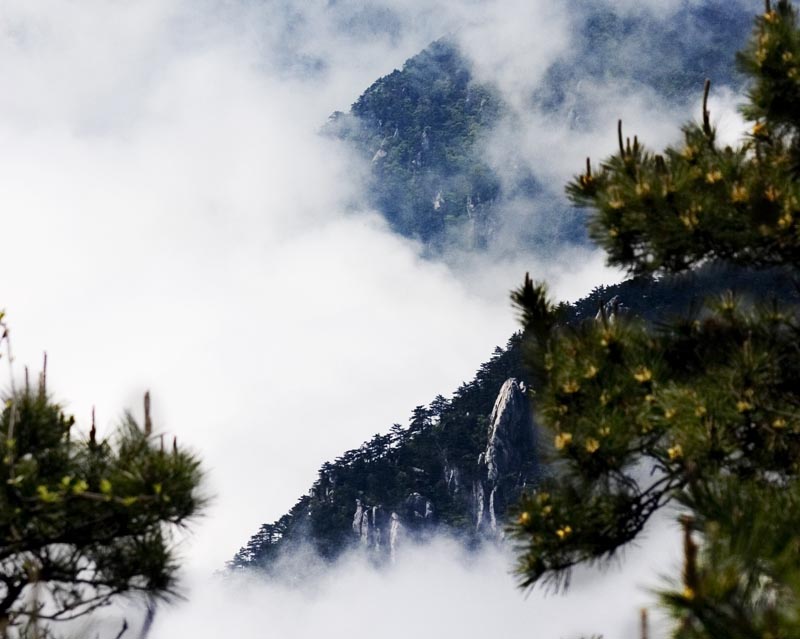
pixel 425 129
pixel 450 433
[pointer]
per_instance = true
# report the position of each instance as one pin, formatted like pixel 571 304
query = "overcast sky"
pixel 173 222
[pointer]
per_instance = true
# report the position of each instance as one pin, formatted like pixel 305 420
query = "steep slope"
pixel 422 477
pixel 461 462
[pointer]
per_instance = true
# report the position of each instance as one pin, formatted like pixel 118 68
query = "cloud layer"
pixel 172 221
pixel 437 590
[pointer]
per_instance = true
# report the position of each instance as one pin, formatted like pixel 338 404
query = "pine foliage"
pixel 83 520
pixel 701 411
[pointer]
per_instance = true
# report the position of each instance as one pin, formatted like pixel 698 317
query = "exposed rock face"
pixel 379 528
pixel 510 431
pixel 611 309
pixel 452 477
pixel 511 436
pixel 396 530
pixel 359 519
pixel 506 464
pixel 381 534
pixel 479 500
pixel 370 524
pixel 503 469
pixel 418 508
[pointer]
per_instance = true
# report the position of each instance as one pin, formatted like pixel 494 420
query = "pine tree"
pixel 83 520
pixel 703 412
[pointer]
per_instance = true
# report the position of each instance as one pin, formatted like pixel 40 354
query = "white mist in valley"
pixel 174 222
pixel 436 590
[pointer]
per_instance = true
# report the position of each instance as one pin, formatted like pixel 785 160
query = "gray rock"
pixel 479 503
pixel 452 478
pixel 493 510
pixel 509 453
pixel 378 532
pixel 371 526
pixel 358 518
pixel 511 435
pixel 419 508
pixel 396 533
pixel 503 469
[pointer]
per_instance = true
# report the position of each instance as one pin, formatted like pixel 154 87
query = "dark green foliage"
pixel 420 126
pixel 658 299
pixel 669 211
pixel 773 61
pixel 83 520
pixel 702 410
pixel 687 400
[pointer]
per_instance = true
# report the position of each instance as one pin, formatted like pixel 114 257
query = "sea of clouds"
pixel 172 221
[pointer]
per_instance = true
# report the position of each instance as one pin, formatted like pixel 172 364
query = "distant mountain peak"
pixel 420 129
pixel 425 130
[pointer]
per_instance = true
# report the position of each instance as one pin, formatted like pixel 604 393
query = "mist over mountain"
pixel 426 129
pixel 420 128
pixel 444 171
pixel 175 223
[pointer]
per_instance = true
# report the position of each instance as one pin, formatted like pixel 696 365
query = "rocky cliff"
pixel 418 128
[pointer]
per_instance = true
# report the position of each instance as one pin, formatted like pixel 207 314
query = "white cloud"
pixel 437 590
pixel 660 8
pixel 173 222
pixel 512 44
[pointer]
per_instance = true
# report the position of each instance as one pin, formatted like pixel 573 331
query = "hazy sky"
pixel 173 222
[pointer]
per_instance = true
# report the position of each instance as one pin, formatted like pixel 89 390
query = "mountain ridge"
pixel 462 462
pixel 424 129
